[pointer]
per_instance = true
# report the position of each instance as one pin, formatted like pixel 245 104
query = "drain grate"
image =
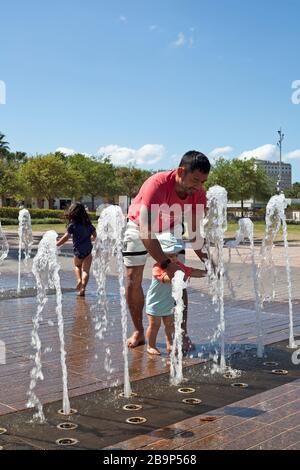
pixel 239 385
pixel 132 394
pixel 136 420
pixel 192 401
pixel 186 390
pixel 280 372
pixel 72 412
pixel 230 375
pixel 208 419
pixel 132 407
pixel 3 430
pixel 67 426
pixel 67 441
pixel 271 364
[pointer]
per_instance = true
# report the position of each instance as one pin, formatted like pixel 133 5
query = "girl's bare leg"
pixel 78 272
pixel 151 334
pixel 188 345
pixel 169 331
pixel 86 266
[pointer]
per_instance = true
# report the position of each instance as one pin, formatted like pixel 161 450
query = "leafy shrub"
pixel 13 212
pixel 9 221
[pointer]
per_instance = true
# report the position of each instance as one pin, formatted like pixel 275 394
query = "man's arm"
pixel 150 241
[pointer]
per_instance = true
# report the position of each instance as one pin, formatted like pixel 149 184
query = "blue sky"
pixel 147 80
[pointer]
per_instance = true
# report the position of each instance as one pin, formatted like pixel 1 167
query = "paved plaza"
pixel 278 427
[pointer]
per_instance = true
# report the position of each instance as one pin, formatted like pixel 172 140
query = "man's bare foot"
pixel 136 339
pixel 82 293
pixel 153 351
pixel 79 285
pixel 187 344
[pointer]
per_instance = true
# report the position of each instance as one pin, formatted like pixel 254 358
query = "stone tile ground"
pixel 85 353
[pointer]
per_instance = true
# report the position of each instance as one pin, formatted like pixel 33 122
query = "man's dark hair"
pixel 194 160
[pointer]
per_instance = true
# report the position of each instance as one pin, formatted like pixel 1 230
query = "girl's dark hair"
pixel 194 160
pixel 77 213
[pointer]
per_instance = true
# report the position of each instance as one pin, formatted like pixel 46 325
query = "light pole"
pixel 279 143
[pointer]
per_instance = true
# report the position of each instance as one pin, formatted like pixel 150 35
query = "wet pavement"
pixel 85 353
pixel 267 408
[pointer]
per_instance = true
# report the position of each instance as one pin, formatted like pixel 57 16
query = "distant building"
pixel 272 170
pixel 63 202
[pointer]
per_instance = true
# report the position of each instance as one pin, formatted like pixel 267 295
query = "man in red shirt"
pixel 163 202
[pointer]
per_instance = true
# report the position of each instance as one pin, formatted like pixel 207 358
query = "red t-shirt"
pixel 159 190
pixel 160 273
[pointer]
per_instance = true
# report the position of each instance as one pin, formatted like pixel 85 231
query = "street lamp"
pixel 279 143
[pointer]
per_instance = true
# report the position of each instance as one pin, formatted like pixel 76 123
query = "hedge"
pixel 48 220
pixel 13 213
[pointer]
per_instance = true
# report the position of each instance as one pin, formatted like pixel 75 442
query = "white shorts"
pixel 134 251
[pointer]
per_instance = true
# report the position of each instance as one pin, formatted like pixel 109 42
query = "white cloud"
pixel 123 18
pixel 65 151
pixel 220 151
pixel 292 155
pixel 265 152
pixel 184 40
pixel 180 41
pixel 68 152
pixel 148 154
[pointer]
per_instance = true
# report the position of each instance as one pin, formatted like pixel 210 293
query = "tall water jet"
pixel 46 271
pixel 176 371
pixel 102 253
pixel 275 218
pixel 109 242
pixel 4 247
pixel 25 240
pixel 215 226
pixel 246 231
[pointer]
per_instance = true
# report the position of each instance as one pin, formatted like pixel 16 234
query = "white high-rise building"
pixel 272 169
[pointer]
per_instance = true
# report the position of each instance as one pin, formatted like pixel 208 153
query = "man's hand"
pixel 171 269
pixel 204 257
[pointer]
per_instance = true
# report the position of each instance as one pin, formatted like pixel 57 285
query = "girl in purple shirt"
pixel 82 231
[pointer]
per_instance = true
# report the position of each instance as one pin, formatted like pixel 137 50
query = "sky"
pixel 146 80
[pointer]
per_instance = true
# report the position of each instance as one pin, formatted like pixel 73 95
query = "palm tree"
pixel 3 144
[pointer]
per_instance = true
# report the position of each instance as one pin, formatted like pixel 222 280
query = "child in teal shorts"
pixel 159 300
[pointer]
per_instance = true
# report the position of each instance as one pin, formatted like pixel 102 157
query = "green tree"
pixel 243 180
pixel 44 177
pixel 16 157
pixel 4 146
pixel 98 176
pixel 293 192
pixel 8 179
pixel 221 174
pixel 130 179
